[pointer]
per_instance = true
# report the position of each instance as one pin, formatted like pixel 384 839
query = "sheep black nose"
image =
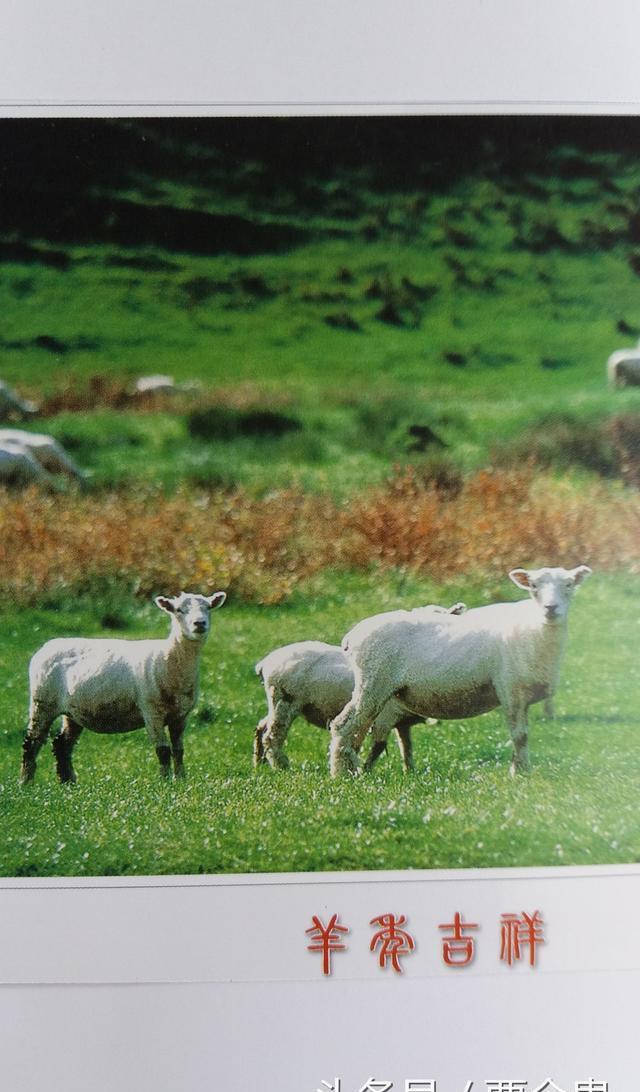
pixel 200 627
pixel 551 612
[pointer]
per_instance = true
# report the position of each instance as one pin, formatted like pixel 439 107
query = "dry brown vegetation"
pixel 108 392
pixel 262 549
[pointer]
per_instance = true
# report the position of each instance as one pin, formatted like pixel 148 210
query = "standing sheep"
pixel 48 452
pixel 164 384
pixel 507 655
pixel 18 466
pixel 111 686
pixel 315 680
pixel 623 368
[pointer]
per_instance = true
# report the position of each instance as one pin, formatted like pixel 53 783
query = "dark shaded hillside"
pixel 82 181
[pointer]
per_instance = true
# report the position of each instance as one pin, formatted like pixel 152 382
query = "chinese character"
pixel 394 942
pixel 413 1084
pixel 458 951
pixel 519 932
pixel 548 1086
pixel 326 939
pixel 373 1085
pixel 335 1087
pixel 506 1086
pixel 592 1086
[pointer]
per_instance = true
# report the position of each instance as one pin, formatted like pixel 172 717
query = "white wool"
pixel 47 451
pixel 110 685
pixel 164 384
pixel 18 466
pixel 507 655
pixel 623 368
pixel 315 680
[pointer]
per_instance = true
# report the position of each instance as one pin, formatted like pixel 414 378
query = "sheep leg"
pixel 258 743
pixel 279 720
pixel 549 708
pixel 392 718
pixel 40 720
pixel 516 715
pixel 62 746
pixel 405 746
pixel 154 724
pixel 378 748
pixel 176 732
pixel 348 730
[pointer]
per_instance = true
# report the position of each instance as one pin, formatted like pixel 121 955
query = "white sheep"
pixel 109 685
pixel 507 655
pixel 18 466
pixel 164 384
pixel 623 368
pixel 315 680
pixel 47 451
pixel 12 405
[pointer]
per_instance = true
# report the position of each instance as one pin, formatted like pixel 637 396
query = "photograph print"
pixel 319 494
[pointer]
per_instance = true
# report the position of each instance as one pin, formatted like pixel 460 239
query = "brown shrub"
pixel 105 392
pixel 623 432
pixel 262 549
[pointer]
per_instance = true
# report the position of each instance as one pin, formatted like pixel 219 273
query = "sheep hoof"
pixel 27 774
pixel 349 763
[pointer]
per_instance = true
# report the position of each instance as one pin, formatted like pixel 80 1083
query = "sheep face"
pixel 191 612
pixel 551 589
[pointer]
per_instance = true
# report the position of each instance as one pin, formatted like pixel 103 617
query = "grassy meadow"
pixel 397 330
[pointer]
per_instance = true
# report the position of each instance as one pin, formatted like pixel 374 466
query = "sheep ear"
pixel 580 573
pixel 165 603
pixel 520 578
pixel 458 608
pixel 216 600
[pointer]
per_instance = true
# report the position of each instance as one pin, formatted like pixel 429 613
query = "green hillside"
pixel 365 275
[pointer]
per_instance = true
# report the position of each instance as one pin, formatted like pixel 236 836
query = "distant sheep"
pixel 315 680
pixel 507 655
pixel 47 451
pixel 12 405
pixel 623 368
pixel 18 466
pixel 163 384
pixel 110 686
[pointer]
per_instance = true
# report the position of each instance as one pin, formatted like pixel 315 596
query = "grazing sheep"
pixel 505 655
pixel 163 384
pixel 315 680
pixel 12 405
pixel 623 368
pixel 47 451
pixel 112 686
pixel 18 466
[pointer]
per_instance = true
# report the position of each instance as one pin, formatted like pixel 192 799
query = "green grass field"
pixel 359 294
pixel 460 809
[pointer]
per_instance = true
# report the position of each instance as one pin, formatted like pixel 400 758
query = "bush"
pixel 562 441
pixel 623 432
pixel 426 518
pixel 226 423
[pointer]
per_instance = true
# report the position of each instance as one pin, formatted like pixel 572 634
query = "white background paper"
pixel 576 1015
pixel 363 52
